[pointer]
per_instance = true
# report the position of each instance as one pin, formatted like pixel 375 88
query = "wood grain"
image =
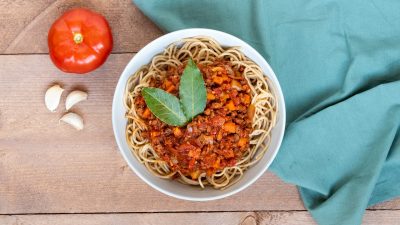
pixel 24 24
pixel 220 218
pixel 223 218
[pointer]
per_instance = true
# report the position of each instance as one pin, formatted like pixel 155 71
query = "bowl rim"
pixel 183 33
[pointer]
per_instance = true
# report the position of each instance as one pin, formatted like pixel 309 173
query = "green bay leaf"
pixel 192 91
pixel 164 106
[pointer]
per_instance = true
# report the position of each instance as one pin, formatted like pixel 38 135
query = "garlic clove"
pixel 73 119
pixel 75 97
pixel 52 97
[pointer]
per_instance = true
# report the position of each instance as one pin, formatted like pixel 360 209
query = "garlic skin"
pixel 73 119
pixel 74 97
pixel 52 97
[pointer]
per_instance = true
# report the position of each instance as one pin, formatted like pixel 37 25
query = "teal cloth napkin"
pixel 338 62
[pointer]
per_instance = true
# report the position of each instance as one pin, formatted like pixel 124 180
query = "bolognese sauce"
pixel 213 140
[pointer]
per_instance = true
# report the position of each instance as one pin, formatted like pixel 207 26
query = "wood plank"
pixel 393 204
pixel 221 218
pixel 24 24
pixel 46 167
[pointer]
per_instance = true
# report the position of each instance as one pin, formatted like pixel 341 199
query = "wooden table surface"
pixel 52 174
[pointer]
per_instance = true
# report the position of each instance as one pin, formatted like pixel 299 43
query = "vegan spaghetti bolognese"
pixel 215 147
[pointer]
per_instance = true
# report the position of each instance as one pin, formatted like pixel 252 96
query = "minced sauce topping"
pixel 213 140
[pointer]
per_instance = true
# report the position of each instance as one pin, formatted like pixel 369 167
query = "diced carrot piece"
pixel 146 114
pixel 217 69
pixel 216 164
pixel 210 96
pixel 219 136
pixel 231 106
pixel 194 153
pixel 154 133
pixel 170 88
pixel 177 132
pixel 251 111
pixel 218 80
pixel 236 84
pixel 242 142
pixel 195 174
pixel 167 84
pixel 246 99
pixel 229 127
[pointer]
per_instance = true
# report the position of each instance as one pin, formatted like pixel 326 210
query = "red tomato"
pixel 79 41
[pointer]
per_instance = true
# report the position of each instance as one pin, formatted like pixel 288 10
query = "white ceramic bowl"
pixel 171 187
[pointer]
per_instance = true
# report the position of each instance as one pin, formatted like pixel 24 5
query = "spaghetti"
pixel 205 52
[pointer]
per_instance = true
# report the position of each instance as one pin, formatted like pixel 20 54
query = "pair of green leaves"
pixel 174 111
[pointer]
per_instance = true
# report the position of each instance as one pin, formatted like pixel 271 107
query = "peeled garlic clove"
pixel 52 97
pixel 73 119
pixel 75 97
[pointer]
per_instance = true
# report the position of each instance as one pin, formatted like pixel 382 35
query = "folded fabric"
pixel 338 63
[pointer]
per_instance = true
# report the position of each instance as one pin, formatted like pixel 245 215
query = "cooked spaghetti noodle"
pixel 204 51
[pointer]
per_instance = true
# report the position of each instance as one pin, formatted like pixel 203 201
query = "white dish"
pixel 171 187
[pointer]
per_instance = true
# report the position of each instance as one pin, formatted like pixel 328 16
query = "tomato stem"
pixel 78 38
